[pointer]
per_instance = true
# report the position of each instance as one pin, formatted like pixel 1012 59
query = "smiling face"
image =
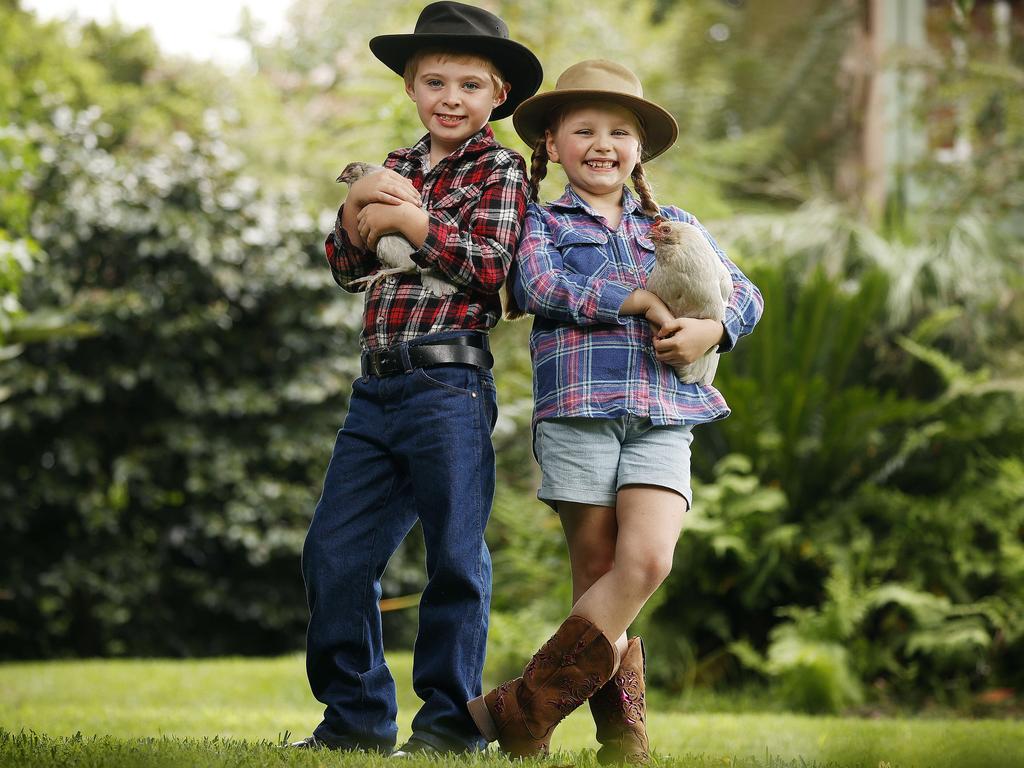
pixel 454 97
pixel 598 145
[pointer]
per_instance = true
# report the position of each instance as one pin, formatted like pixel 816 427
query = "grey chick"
pixel 693 282
pixel 394 252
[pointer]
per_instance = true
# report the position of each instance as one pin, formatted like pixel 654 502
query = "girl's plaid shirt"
pixel 476 199
pixel 574 274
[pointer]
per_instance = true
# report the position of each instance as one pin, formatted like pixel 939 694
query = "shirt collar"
pixel 479 141
pixel 572 201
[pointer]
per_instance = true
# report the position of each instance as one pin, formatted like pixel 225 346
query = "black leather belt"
pixel 460 350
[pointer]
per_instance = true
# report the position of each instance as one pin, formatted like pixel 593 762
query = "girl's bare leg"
pixel 649 520
pixel 590 533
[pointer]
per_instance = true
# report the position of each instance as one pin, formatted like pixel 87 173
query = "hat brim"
pixel 659 127
pixel 521 69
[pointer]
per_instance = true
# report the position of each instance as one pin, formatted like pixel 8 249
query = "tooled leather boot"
pixel 521 714
pixel 620 711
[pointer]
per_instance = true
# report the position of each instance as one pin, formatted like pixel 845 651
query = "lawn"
pixel 230 712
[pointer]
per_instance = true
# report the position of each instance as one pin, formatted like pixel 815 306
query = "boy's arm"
pixel 347 261
pixel 477 257
pixel 745 304
pixel 542 286
pixel 346 251
pixel 386 187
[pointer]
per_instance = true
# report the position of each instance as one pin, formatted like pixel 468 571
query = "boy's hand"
pixel 683 340
pixel 376 219
pixel 383 187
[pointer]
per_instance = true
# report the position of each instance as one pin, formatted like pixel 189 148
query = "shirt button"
pixel 390 280
pixel 380 321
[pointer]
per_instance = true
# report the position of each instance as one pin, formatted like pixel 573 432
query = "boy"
pixel 416 442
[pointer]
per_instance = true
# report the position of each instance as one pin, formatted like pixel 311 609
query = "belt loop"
pixel 403 355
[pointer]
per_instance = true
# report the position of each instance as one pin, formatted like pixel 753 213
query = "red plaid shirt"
pixel 476 201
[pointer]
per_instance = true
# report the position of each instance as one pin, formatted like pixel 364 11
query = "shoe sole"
pixel 482 717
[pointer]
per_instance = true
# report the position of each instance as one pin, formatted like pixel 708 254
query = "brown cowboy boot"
pixel 620 711
pixel 520 714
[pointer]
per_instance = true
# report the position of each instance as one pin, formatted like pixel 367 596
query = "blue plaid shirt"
pixel 574 274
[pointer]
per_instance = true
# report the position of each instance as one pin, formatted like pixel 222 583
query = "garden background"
pixel 175 358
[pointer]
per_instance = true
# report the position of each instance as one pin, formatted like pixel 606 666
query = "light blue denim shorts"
pixel 588 460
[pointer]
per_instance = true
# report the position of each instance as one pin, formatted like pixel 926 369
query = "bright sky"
pixel 199 28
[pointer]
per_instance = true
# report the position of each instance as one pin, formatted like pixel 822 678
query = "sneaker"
pixel 414 747
pixel 310 742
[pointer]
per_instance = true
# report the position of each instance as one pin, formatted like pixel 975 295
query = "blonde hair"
pixel 412 64
pixel 539 170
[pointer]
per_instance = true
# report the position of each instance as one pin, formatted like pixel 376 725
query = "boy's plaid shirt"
pixel 476 199
pixel 574 274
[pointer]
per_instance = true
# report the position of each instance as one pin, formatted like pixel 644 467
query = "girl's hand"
pixel 643 302
pixel 683 340
pixel 385 187
pixel 658 315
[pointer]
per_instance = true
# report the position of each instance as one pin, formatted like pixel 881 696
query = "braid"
pixel 538 170
pixel 538 167
pixel 643 188
pixel 512 309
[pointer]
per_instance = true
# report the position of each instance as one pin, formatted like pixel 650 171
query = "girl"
pixel 611 420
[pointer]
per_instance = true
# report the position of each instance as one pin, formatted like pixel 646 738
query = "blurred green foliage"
pixel 163 444
pixel 175 359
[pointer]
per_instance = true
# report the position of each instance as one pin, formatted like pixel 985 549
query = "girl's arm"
pixel 684 340
pixel 650 305
pixel 542 285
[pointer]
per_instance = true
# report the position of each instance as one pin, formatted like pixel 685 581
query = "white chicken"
pixel 693 282
pixel 394 252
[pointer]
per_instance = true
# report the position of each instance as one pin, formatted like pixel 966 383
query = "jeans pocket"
pixel 489 394
pixel 457 379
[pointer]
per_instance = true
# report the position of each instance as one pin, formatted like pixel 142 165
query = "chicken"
pixel 693 282
pixel 394 252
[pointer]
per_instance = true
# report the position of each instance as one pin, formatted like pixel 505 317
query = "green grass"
pixel 231 712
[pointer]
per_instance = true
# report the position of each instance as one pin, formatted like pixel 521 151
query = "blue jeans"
pixel 414 445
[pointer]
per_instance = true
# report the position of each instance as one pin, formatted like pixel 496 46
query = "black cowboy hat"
pixel 464 28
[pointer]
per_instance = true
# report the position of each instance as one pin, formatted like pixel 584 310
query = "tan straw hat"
pixel 598 80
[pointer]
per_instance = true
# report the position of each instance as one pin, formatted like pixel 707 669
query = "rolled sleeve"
pixel 347 262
